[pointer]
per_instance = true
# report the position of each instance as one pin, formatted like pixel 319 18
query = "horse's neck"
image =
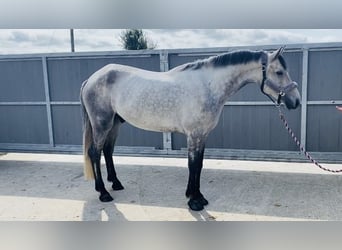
pixel 228 80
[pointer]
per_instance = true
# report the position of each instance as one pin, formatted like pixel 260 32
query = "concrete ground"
pixel 48 187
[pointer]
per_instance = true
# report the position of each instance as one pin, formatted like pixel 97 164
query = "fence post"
pixel 304 96
pixel 164 66
pixel 48 101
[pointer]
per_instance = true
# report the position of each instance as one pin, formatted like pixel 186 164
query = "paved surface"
pixel 51 187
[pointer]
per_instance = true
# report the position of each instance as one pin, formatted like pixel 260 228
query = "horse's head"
pixel 276 81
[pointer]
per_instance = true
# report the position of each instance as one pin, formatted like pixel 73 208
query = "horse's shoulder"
pixel 112 73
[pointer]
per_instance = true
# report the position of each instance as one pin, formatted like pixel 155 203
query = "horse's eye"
pixel 280 73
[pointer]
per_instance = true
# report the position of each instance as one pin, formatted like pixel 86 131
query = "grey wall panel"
pixel 178 141
pixel 67 74
pixel 23 124
pixel 325 75
pixel 67 127
pixel 132 136
pixel 67 124
pixel 21 80
pixel 250 127
pixel 324 129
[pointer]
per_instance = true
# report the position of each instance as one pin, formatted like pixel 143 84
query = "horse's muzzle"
pixel 291 103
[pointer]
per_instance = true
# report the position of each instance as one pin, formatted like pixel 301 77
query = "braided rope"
pixel 282 118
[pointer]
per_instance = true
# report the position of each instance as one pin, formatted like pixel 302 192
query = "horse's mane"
pixel 230 58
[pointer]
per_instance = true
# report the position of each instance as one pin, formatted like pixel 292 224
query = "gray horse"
pixel 187 99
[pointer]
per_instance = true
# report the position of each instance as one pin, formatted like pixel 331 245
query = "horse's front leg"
pixel 195 164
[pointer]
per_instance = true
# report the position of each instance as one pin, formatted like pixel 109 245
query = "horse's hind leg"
pixel 94 153
pixel 101 128
pixel 108 149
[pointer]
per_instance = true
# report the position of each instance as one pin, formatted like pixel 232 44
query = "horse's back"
pixel 111 72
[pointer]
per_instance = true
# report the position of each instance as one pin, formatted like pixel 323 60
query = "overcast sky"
pixel 48 40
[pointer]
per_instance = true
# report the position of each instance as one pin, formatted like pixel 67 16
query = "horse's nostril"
pixel 292 103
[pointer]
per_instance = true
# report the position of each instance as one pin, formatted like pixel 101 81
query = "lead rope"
pixel 282 118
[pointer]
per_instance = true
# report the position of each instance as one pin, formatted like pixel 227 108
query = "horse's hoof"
pixel 117 185
pixel 200 198
pixel 203 201
pixel 195 205
pixel 105 197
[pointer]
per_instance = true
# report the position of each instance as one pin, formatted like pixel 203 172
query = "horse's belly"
pixel 150 110
pixel 152 123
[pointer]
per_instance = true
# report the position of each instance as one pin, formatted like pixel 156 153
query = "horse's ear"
pixel 277 53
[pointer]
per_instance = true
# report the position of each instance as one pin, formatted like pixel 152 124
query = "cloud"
pixel 223 38
pixel 277 37
pixel 19 37
pixel 34 41
pixel 95 40
pixel 44 40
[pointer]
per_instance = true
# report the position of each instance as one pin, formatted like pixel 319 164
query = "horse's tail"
pixel 87 140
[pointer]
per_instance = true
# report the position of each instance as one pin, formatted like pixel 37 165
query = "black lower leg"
pixel 95 156
pixel 108 154
pixel 197 200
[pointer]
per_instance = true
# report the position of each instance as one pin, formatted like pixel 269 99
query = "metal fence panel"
pixel 23 124
pixel 67 125
pixel 325 75
pixel 21 80
pixel 67 129
pixel 324 88
pixel 249 127
pixel 134 137
pixel 324 129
